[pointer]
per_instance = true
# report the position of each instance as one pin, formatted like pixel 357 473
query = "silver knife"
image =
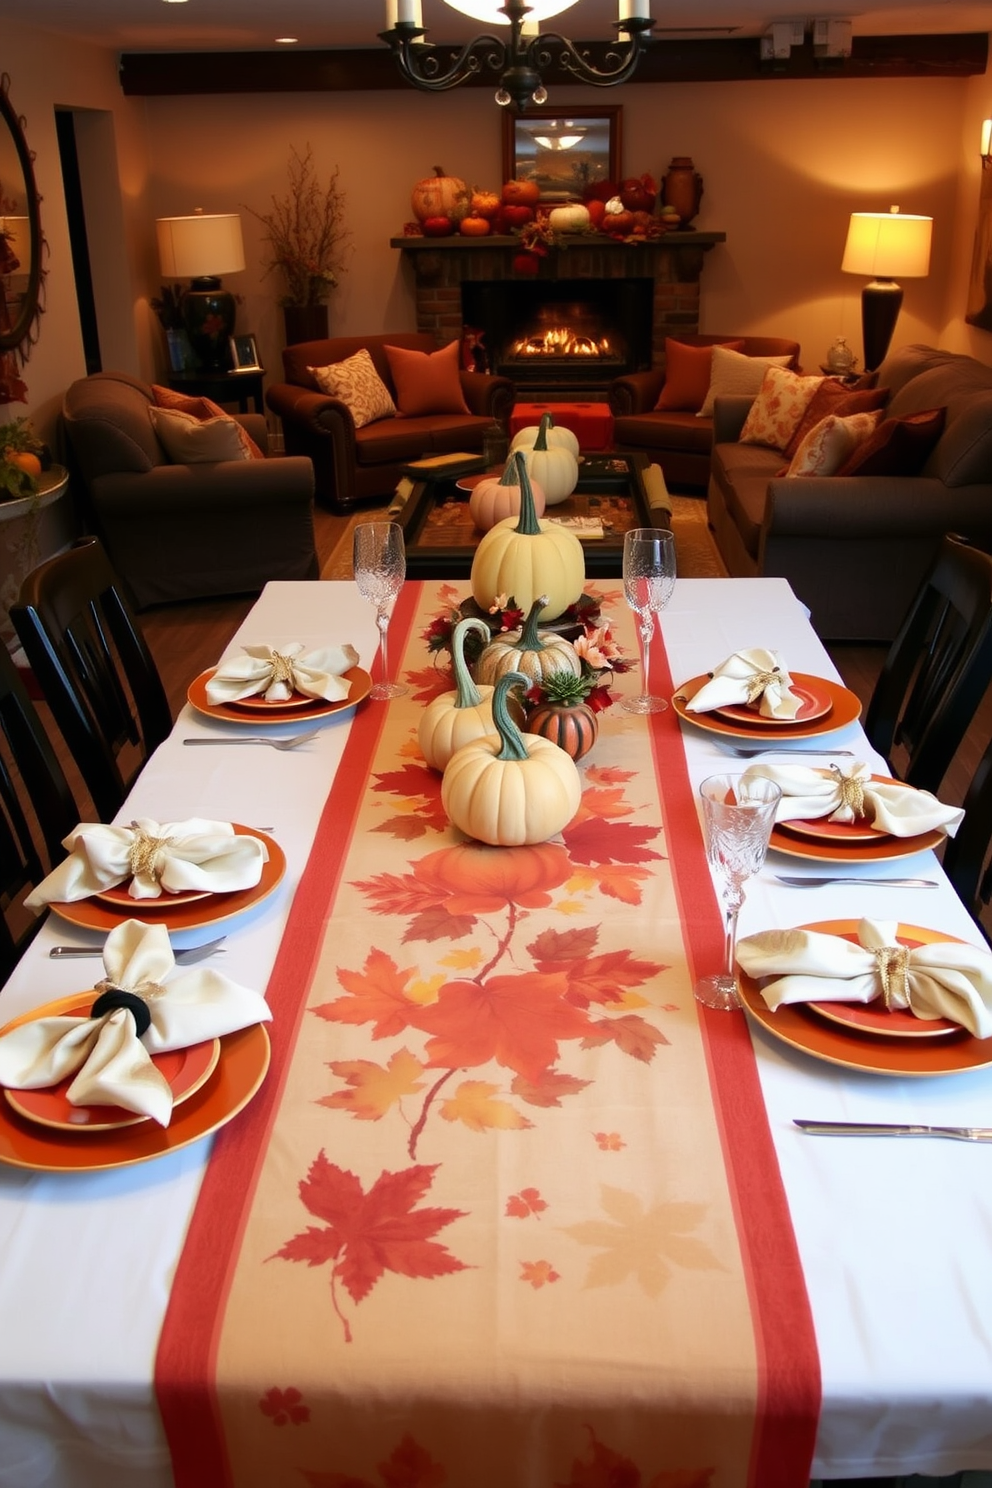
pixel 183 957
pixel 891 1129
pixel 889 883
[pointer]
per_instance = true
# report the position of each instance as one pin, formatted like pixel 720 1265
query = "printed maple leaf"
pixel 609 1141
pixel 596 841
pixel 594 979
pixel 374 1088
pixel 620 882
pixel 396 893
pixel 474 1104
pixel 608 775
pixel 538 1273
pixel 412 779
pixel 366 1234
pixel 377 995
pixel 427 683
pixel 406 828
pixel 438 923
pixel 631 1034
pixel 284 1407
pixel 407 1466
pixel 605 1468
pixel 606 802
pixel 516 1020
pixel 646 1244
pixel 549 1089
pixel 565 945
pixel 524 1204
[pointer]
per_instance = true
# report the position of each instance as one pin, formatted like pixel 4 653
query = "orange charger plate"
pixel 359 687
pixel 845 708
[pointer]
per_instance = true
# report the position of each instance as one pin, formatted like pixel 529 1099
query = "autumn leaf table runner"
pixel 506 1213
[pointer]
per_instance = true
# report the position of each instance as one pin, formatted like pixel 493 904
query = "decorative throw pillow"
pixel 833 396
pixel 831 443
pixel 687 374
pixel 776 412
pixel 732 373
pixel 898 446
pixel 427 382
pixel 191 441
pixel 202 409
pixel 355 383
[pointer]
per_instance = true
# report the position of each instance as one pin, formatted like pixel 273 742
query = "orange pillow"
pixel 687 374
pixel 834 397
pixel 427 382
pixel 203 409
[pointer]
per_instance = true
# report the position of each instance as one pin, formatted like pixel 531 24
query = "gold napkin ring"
pixel 282 669
pixel 143 851
pixel 758 682
pixel 852 791
pixel 892 963
pixel 112 997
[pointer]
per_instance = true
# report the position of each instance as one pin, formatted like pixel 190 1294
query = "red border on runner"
pixel 190 1337
pixel 789 1394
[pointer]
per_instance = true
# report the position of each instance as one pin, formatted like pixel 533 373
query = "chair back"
pixel 37 811
pixel 937 669
pixel 968 854
pixel 95 671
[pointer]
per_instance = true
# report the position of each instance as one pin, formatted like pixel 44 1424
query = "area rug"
pixel 697 553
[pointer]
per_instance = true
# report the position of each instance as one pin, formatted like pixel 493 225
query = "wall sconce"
pixel 986 144
pixel 884 244
pixel 201 248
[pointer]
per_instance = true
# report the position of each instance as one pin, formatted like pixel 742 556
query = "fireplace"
pixel 570 337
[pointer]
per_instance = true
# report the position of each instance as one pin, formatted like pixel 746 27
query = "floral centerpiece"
pixel 21 460
pixel 306 233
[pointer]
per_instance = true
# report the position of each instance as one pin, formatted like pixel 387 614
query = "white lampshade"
pixel 489 10
pixel 888 245
pixel 201 246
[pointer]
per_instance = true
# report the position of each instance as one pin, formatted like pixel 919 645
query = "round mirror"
pixel 20 232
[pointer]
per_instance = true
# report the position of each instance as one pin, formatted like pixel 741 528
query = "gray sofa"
pixel 855 548
pixel 177 532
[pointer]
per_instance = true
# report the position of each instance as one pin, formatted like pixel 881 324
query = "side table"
pixel 222 387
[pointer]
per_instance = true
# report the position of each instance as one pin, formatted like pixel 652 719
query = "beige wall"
pixel 784 163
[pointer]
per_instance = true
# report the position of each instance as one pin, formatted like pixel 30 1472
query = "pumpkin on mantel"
pixel 440 196
pixel 528 557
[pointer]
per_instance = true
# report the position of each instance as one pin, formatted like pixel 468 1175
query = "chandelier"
pixel 519 62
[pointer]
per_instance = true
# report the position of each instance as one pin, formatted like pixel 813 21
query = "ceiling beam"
pixel 731 59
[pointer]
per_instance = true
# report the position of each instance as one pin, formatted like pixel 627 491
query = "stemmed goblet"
pixel 380 568
pixel 738 816
pixel 648 581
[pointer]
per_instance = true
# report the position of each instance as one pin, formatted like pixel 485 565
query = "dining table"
pixel 493 1201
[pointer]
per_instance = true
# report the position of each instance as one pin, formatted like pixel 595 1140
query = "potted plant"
pixel 308 242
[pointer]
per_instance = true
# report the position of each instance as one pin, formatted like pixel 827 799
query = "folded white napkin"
pixel 110 1061
pixel 939 980
pixel 276 675
pixel 157 857
pixel 748 677
pixel 851 795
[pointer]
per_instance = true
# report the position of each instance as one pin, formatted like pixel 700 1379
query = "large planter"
pixel 305 323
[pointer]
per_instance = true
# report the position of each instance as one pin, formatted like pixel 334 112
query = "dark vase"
pixel 682 188
pixel 305 323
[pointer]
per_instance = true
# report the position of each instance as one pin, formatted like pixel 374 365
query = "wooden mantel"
pixel 674 261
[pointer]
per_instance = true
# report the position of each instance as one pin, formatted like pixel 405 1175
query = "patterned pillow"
pixel 833 397
pixel 427 382
pixel 192 441
pixel 777 411
pixel 898 446
pixel 731 372
pixel 687 374
pixel 831 443
pixel 356 384
pixel 203 409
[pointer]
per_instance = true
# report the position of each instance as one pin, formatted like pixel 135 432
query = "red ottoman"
pixel 591 423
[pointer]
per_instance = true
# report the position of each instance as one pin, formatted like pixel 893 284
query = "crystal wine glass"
pixel 380 568
pixel 648 581
pixel 738 816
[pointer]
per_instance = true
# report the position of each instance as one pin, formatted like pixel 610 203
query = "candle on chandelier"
pixel 404 10
pixel 634 10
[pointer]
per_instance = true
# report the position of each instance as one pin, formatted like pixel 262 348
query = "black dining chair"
pixel 94 669
pixel 937 669
pixel 37 811
pixel 968 854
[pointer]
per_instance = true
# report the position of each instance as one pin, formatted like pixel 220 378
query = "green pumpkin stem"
pixel 528 524
pixel 547 422
pixel 530 636
pixel 467 695
pixel 513 746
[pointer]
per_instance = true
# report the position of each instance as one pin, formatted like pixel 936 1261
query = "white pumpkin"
pixel 554 468
pixel 554 434
pixel 571 218
pixel 534 653
pixel 526 558
pixel 456 718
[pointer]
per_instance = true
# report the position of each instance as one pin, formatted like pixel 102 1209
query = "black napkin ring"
pixel 116 997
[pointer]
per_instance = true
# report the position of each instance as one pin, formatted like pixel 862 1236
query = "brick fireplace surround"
pixel 675 261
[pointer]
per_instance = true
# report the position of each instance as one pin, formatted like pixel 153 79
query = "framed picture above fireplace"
pixel 563 150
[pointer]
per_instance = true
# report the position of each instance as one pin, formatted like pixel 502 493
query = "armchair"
pixel 175 531
pixel 352 464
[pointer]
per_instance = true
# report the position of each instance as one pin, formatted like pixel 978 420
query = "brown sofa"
pixel 354 465
pixel 182 531
pixel 680 442
pixel 856 548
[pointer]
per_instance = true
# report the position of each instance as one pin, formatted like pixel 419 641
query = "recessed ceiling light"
pixel 286 40
pixel 175 2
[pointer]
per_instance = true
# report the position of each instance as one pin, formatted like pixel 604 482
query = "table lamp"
pixel 201 248
pixel 884 244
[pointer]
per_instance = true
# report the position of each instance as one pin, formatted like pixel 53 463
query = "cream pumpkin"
pixel 510 789
pixel 554 467
pixel 456 718
pixel 556 436
pixel 527 557
pixel 497 497
pixel 571 218
pixel 535 654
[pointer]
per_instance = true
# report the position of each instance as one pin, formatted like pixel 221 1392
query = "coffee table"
pixel 441 537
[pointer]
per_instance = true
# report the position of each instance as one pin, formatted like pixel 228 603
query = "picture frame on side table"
pixel 244 354
pixel 564 150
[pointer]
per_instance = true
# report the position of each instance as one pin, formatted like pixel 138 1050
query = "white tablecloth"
pixel 896 1237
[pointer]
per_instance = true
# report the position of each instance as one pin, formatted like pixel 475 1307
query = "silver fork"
pixel 817 883
pixel 746 751
pixel 892 1129
pixel 183 957
pixel 292 742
